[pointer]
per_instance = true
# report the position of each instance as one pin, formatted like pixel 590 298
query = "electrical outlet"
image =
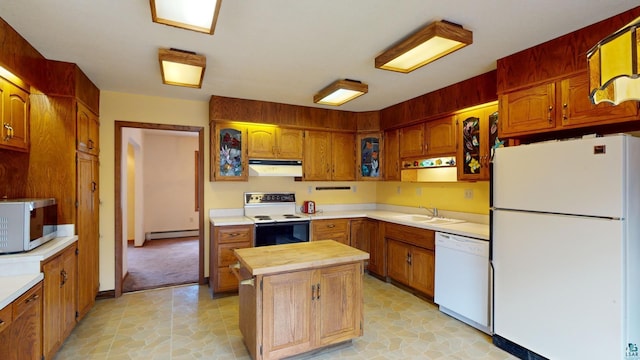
pixel 354 188
pixel 398 190
pixel 468 193
pixel 419 191
pixel 309 189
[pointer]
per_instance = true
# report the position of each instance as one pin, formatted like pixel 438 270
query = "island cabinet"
pixel 411 257
pixel 14 115
pixel 478 134
pixel 329 156
pixel 431 138
pixel 226 239
pixel 59 306
pixel 331 229
pixel 296 298
pixel 557 105
pixel 21 327
pixel 272 142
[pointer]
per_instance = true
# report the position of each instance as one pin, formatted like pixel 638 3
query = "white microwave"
pixel 26 224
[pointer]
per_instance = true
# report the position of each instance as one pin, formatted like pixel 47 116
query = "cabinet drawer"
pixel 420 237
pixel 227 280
pixel 31 298
pixel 226 234
pixel 5 317
pixel 225 253
pixel 331 226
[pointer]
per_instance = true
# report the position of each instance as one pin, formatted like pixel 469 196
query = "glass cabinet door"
pixel 230 152
pixel 369 150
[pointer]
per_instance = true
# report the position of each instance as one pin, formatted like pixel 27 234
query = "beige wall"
pixel 223 195
pixel 169 182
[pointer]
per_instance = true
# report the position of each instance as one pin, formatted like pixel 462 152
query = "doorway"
pixel 124 147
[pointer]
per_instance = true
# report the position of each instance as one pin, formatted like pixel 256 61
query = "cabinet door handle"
pixel 2 322
pixel 318 293
pixel 331 226
pixel 313 292
pixel 94 186
pixel 90 144
pixel 549 118
pixel 32 298
pixel 63 274
pixel 409 258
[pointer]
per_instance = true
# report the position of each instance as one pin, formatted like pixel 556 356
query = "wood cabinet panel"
pixel 14 116
pixel 262 142
pixel 21 333
pixel 440 136
pixel 305 310
pixel 377 248
pixel 331 229
pixel 412 141
pixel 411 257
pixel 317 155
pixel 88 130
pixel 527 111
pixel 59 306
pixel 224 239
pixel 343 156
pixel 391 151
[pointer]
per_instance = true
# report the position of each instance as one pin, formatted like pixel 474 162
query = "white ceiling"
pixel 287 50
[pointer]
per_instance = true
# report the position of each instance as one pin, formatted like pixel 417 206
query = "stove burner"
pixel 290 216
pixel 262 217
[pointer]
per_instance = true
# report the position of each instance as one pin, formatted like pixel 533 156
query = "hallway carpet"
pixel 160 263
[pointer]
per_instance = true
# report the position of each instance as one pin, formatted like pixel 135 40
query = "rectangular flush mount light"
pixel 182 68
pixel 424 46
pixel 340 91
pixel 196 15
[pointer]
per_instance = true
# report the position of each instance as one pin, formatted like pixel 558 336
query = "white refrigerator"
pixel 565 239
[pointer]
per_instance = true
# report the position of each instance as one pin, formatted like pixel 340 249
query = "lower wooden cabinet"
pixel 331 229
pixel 365 235
pixel 411 257
pixel 59 307
pixel 21 327
pixel 305 310
pixel 224 240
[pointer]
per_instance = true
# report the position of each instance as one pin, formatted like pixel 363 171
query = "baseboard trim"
pixel 170 234
pixel 108 294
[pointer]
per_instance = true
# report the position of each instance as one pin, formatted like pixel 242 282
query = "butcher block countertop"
pixel 273 259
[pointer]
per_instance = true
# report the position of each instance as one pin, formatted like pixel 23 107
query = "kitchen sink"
pixel 414 217
pixel 427 219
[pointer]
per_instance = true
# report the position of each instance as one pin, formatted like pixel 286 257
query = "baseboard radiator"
pixel 170 234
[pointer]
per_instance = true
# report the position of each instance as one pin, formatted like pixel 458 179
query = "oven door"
pixel 281 233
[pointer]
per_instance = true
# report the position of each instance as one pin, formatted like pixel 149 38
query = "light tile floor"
pixel 186 323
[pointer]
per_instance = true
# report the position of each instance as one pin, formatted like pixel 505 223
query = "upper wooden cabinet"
pixel 391 152
pixel 369 156
pixel 431 138
pixel 329 156
pixel 88 130
pixel 228 152
pixel 478 134
pixel 562 104
pixel 14 114
pixel 270 142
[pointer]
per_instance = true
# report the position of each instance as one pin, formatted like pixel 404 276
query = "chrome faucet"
pixel 432 211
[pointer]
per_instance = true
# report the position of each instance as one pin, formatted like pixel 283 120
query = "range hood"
pixel 270 167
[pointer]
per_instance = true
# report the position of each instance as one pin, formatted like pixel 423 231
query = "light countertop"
pixel 21 271
pixel 299 256
pixel 466 228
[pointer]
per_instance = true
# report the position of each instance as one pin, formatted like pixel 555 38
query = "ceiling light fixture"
pixel 613 66
pixel 424 46
pixel 181 68
pixel 195 15
pixel 340 91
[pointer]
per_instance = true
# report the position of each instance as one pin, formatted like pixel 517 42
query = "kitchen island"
pixel 296 298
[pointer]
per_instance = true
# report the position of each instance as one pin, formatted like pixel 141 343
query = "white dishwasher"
pixel 462 279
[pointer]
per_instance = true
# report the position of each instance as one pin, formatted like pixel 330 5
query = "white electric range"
pixel 275 218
